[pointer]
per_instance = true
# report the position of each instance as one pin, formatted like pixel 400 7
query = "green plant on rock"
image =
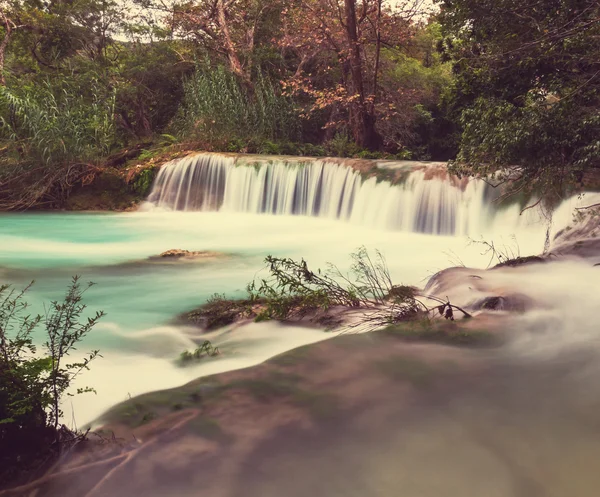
pixel 292 289
pixel 205 350
pixel 219 311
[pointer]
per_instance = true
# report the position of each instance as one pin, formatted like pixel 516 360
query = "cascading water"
pixel 427 200
pixel 423 202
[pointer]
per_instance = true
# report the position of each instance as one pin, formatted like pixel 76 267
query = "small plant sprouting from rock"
pixel 205 350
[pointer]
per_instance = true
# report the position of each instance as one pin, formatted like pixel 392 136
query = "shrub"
pixel 292 289
pixel 269 148
pixel 32 382
pixel 341 146
pixel 143 182
pixel 311 150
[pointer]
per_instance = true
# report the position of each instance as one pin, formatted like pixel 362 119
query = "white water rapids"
pixel 424 202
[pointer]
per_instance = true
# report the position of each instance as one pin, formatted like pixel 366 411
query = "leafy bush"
pixel 293 290
pixel 311 150
pixel 33 382
pixel 143 182
pixel 270 148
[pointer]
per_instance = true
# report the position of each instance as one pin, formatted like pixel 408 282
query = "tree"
pixel 228 31
pixel 338 46
pixel 528 89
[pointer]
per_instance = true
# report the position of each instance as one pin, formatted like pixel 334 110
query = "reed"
pixel 218 108
pixel 59 123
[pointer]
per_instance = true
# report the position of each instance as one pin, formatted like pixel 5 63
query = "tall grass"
pixel 217 108
pixel 51 124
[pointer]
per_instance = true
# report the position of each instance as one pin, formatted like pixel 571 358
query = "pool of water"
pixel 137 338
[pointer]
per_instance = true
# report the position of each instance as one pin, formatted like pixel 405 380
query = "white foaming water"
pixel 423 202
pixel 428 200
pixel 240 348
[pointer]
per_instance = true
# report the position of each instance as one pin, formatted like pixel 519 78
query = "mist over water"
pixel 322 212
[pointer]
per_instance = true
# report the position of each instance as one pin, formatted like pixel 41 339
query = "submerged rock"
pixel 180 254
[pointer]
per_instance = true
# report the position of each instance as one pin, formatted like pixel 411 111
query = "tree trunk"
pixel 361 120
pixel 232 56
pixel 3 45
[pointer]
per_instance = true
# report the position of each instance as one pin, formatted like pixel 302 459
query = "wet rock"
pixel 582 239
pixel 188 255
pixel 519 261
pixel 512 303
pixel 220 311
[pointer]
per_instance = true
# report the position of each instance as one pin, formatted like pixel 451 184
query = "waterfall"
pixel 426 201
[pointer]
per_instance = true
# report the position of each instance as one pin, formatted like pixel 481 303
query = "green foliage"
pixel 33 382
pixel 218 108
pixel 205 350
pixel 414 116
pixel 526 89
pixel 53 123
pixel 143 182
pixel 310 150
pixel 341 146
pixel 293 289
pixel 270 148
pixel 551 141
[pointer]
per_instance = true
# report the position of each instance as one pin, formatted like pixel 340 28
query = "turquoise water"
pixel 137 337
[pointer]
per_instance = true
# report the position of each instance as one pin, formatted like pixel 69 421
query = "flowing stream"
pixel 316 210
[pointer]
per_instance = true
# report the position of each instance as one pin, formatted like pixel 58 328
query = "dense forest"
pixel 497 86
